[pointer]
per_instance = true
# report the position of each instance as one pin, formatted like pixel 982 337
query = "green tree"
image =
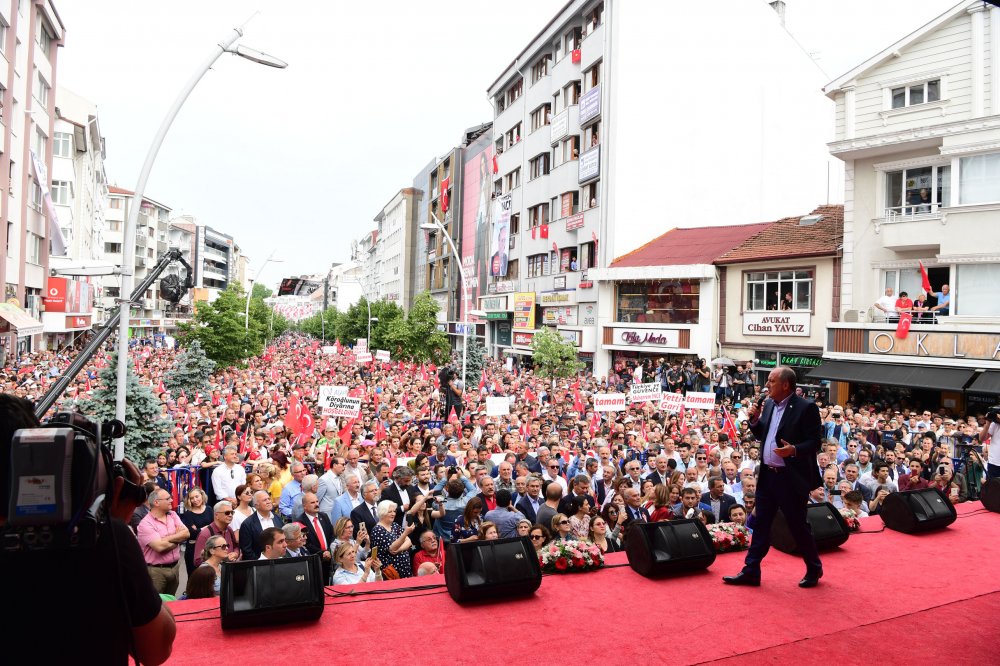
pixel 554 356
pixel 190 371
pixel 475 361
pixel 220 326
pixel 353 324
pixel 426 342
pixel 146 429
pixel 315 326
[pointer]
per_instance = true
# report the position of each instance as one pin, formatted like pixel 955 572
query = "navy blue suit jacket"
pixel 800 426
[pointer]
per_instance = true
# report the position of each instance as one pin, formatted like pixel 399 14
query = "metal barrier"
pixel 183 479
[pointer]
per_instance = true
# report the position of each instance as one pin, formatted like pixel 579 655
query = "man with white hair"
pixel 259 521
pixel 661 473
pixel 295 540
pixel 228 475
pixel 220 526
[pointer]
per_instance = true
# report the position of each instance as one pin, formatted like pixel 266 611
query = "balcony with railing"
pixel 911 226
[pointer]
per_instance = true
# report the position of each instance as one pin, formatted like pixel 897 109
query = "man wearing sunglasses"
pixel 219 527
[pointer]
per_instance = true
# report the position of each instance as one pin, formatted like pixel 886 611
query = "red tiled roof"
pixel 786 238
pixel 680 247
pixel 119 190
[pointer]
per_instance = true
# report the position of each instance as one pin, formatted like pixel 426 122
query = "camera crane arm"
pixel 43 404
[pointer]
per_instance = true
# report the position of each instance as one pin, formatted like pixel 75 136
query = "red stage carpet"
pixel 934 597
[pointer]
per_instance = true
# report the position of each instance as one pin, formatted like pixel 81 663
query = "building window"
pixel 658 301
pixel 588 258
pixel 569 149
pixel 540 116
pixel 538 265
pixel 115 204
pixel 779 290
pixel 595 18
pixel 571 94
pixel 920 190
pixel 513 135
pixel 43 37
pixel 515 223
pixel 592 135
pixel 569 203
pixel 34 248
pixel 511 270
pixel 62 192
pixel 42 91
pixel 976 290
pixel 538 215
pixel 538 166
pixel 916 93
pixel 590 194
pixel 36 196
pixel 113 248
pixel 512 179
pixel 514 92
pixel 592 77
pixel 568 260
pixel 497 187
pixel 572 39
pixel 40 141
pixel 62 144
pixel 541 68
pixel 979 179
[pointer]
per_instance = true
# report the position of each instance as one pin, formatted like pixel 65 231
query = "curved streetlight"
pixel 128 233
pixel 246 314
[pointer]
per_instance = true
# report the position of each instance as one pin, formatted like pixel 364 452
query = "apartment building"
pixel 30 36
pixel 395 250
pixel 918 129
pixel 622 120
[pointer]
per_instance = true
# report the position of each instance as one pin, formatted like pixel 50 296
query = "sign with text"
pixel 342 406
pixel 574 222
pixel 672 402
pixel 590 105
pixel 383 355
pixel 493 303
pixel 646 392
pixel 524 310
pixel 647 337
pixel 557 298
pixel 784 324
pixel 497 406
pixel 559 126
pixel 523 339
pixel 363 357
pixel 695 400
pixel 609 402
pixel 590 164
pixel 361 345
pixel 326 393
pixel 555 316
pixel 980 346
pixel 329 350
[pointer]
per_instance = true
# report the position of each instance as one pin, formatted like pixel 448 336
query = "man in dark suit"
pixel 531 501
pixel 317 540
pixel 717 498
pixel 253 526
pixel 404 494
pixel 634 511
pixel 790 429
pixel 367 511
pixel 581 488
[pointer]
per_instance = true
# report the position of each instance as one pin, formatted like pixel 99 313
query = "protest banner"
pixel 695 400
pixel 646 392
pixel 609 402
pixel 361 345
pixel 382 355
pixel 342 406
pixel 327 392
pixel 671 402
pixel 497 406
pixel 330 350
pixel 363 357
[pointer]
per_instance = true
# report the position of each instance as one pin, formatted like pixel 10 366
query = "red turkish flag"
pixel 903 327
pixel 729 427
pixel 555 248
pixel 684 423
pixel 543 231
pixel 445 184
pixel 344 434
pixel 925 281
pixel 577 401
pixel 496 167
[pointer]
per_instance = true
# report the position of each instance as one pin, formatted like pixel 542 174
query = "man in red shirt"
pixel 913 480
pixel 903 303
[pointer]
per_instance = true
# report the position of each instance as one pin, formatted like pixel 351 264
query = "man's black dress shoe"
pixel 811 578
pixel 742 578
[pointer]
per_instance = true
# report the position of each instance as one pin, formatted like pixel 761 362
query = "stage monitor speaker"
pixel 829 529
pixel 669 547
pixel 990 495
pixel 485 570
pixel 267 592
pixel 913 511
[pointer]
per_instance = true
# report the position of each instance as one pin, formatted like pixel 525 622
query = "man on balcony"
pixel 887 305
pixel 943 301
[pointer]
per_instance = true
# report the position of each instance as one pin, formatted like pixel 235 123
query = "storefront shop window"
pixel 658 302
pixel 779 290
pixel 975 289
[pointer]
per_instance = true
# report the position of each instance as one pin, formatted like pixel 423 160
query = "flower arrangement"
pixel 570 556
pixel 729 536
pixel 851 517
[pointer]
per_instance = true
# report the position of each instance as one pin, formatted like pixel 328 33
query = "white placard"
pixel 329 350
pixel 327 392
pixel 695 400
pixel 363 357
pixel 342 406
pixel 672 402
pixel 497 406
pixel 646 392
pixel 610 402
pixel 361 345
pixel 382 355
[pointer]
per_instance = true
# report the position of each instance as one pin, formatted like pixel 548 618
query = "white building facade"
pixel 918 129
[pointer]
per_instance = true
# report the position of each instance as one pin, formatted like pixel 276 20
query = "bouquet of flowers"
pixel 570 556
pixel 729 536
pixel 851 516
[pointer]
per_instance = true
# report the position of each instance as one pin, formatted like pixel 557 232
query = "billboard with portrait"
pixel 500 237
pixel 477 190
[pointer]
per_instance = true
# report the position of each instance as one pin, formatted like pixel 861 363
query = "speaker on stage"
pixel 990 495
pixel 267 592
pixel 485 570
pixel 913 511
pixel 669 547
pixel 829 529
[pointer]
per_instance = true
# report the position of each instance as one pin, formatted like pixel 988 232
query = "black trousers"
pixel 778 490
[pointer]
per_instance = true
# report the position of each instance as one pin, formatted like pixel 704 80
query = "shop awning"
pixel 20 320
pixel 986 382
pixel 921 377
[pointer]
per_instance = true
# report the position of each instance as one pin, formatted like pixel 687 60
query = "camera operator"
pixel 453 388
pixel 986 435
pixel 99 600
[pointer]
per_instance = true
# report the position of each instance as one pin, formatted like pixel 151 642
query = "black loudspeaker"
pixel 669 547
pixel 484 570
pixel 829 529
pixel 913 511
pixel 990 495
pixel 268 592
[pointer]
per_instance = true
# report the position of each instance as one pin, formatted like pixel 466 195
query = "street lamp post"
pixel 128 233
pixel 246 314
pixel 436 226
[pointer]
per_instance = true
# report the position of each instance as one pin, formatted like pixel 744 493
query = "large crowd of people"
pixel 253 469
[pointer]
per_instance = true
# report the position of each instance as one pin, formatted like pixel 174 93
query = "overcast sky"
pixel 299 161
